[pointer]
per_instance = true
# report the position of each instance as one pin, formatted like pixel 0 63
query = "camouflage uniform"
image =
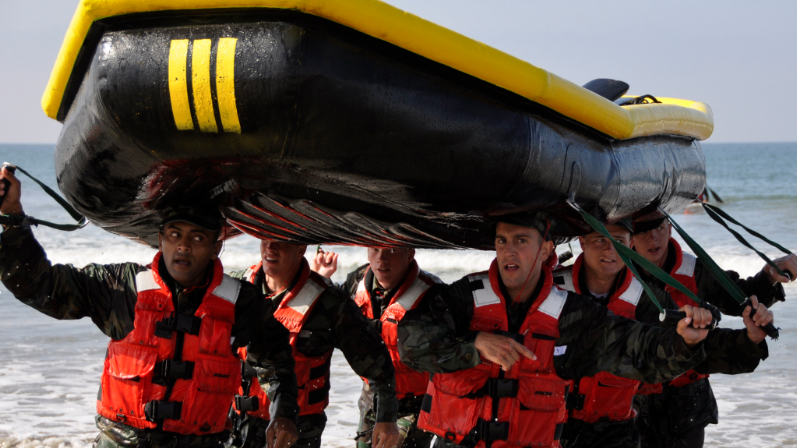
pixel 666 420
pixel 729 352
pixel 107 295
pixel 408 408
pixel 336 322
pixel 435 337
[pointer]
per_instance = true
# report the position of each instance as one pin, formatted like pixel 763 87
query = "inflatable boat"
pixel 346 122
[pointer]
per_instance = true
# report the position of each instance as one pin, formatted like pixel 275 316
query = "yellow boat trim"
pixel 225 85
pixel 178 85
pixel 426 39
pixel 200 81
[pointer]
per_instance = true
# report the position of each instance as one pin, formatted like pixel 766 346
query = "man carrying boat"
pixel 320 319
pixel 170 372
pixel 678 415
pixel 385 288
pixel 503 345
pixel 601 412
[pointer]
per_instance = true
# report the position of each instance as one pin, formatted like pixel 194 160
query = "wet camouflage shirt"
pixel 435 337
pixel 107 295
pixel 336 322
pixel 728 351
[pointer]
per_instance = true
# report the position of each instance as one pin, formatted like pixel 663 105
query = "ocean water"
pixel 50 369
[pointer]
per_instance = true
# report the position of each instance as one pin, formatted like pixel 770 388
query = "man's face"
pixel 187 251
pixel 600 257
pixel 390 266
pixel 516 248
pixel 281 260
pixel 653 244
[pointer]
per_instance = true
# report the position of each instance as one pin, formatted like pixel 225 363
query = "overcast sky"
pixel 739 57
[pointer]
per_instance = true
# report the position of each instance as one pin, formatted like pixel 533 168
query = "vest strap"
pixel 575 400
pixel 246 404
pixel 155 411
pixel 496 388
pixel 178 322
pixel 491 431
pixel 175 370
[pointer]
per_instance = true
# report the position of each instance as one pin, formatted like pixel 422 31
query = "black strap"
pixel 496 388
pixel 717 214
pixel 575 401
pixel 182 323
pixel 246 404
pixel 170 369
pixel 157 411
pixel 10 220
pixel 492 431
pixel 557 434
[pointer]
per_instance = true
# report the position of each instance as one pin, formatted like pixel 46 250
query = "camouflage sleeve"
pixel 364 350
pixel 731 352
pixel 268 347
pixel 435 336
pixel 709 289
pixel 593 339
pixel 104 293
pixel 238 275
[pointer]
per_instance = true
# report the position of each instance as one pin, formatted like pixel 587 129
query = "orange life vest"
pixel 409 382
pixel 684 271
pixel 312 373
pixel 519 408
pixel 603 396
pixel 138 368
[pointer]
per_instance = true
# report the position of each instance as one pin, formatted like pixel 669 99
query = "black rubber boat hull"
pixel 343 139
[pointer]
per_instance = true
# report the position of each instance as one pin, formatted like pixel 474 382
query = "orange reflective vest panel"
pixel 603 396
pixel 519 408
pixel 684 271
pixel 312 373
pixel 409 382
pixel 202 378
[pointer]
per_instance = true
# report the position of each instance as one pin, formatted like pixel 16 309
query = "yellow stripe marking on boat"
pixel 225 85
pixel 200 78
pixel 178 85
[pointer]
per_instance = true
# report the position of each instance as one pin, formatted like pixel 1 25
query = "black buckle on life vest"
pixel 491 431
pixel 575 401
pixel 519 338
pixel 176 370
pixel 177 322
pixel 502 388
pixel 247 371
pixel 161 410
pixel 246 404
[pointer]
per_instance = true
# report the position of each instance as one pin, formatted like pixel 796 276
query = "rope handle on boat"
pixel 721 276
pixel 12 220
pixel 629 257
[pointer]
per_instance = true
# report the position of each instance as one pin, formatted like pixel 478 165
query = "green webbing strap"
pixel 627 255
pixel 17 220
pixel 717 214
pixel 717 272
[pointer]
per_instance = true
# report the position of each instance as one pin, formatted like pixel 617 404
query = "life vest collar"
pixel 684 263
pixel 629 291
pixel 227 288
